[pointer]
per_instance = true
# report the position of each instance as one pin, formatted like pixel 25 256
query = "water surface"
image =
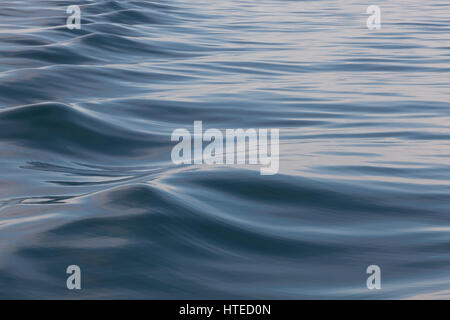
pixel 87 179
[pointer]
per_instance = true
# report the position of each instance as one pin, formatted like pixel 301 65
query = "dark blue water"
pixel 87 179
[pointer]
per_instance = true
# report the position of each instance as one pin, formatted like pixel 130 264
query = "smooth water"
pixel 87 178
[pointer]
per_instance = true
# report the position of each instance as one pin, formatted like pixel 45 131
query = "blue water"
pixel 86 176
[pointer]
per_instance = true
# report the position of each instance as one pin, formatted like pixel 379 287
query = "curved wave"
pixel 60 128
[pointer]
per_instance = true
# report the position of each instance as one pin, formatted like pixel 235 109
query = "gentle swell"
pixel 86 176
